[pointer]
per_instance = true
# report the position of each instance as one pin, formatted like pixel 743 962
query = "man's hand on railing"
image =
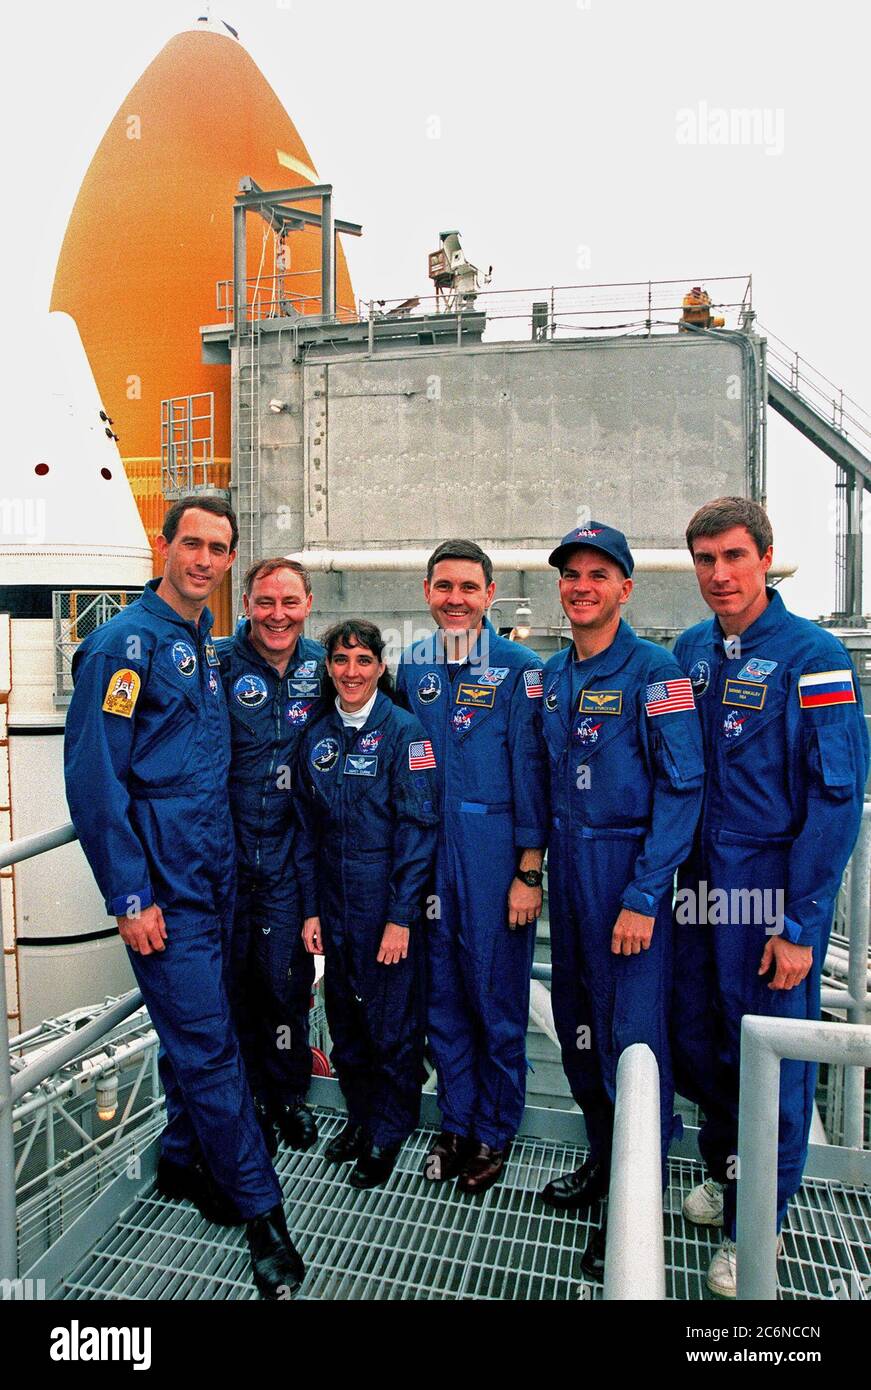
pixel 144 933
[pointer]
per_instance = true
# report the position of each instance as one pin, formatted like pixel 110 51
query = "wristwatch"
pixel 531 877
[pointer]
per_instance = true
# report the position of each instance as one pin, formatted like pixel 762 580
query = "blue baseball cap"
pixel 599 537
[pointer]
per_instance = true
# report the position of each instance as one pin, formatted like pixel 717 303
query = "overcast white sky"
pixel 558 130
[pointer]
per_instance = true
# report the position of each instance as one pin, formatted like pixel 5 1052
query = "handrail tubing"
pixel 635 1249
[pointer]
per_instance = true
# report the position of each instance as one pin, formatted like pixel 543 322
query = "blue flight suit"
pixel 787 758
pixel 367 804
pixel 626 768
pixel 272 972
pixel 146 760
pixel 492 778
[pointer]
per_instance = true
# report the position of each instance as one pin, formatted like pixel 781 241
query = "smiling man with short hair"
pixel 786 753
pixel 273 679
pixel 626 784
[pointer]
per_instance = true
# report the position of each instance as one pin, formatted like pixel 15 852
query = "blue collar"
pixel 769 622
pixel 161 609
pixel 612 658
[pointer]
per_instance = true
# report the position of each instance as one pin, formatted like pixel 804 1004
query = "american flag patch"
pixel 667 697
pixel 420 755
pixel 826 688
pixel 534 682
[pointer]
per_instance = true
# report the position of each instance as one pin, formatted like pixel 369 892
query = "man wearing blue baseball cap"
pixel 626 774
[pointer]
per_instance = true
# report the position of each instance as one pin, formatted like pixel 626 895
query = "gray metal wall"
pixel 502 443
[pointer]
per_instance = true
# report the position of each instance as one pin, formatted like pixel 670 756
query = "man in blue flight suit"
pixel 273 678
pixel 146 758
pixel 626 769
pixel 476 695
pixel 786 749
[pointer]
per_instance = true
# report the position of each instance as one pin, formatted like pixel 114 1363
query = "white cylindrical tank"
pixel 69 531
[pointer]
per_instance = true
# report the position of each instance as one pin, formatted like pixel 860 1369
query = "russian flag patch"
pixel 826 688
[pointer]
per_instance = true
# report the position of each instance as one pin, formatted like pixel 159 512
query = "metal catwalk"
pixel 415 1240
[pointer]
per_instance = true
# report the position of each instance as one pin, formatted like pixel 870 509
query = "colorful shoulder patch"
pixel 826 688
pixel 122 693
pixel 534 682
pixel 420 755
pixel 667 697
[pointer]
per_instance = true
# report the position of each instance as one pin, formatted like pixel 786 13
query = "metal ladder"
pixel 248 448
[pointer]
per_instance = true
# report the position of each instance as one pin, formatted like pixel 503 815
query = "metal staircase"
pixel 841 428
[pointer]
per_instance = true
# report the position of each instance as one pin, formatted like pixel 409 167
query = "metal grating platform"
pixel 415 1240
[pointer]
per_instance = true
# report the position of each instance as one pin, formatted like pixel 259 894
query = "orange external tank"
pixel 151 235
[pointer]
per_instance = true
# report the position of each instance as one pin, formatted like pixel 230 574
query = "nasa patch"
pixel 586 731
pixel 357 765
pixel 733 724
pixel 213 683
pixel 429 687
pixel 250 691
pixel 298 712
pixel 184 658
pixel 461 720
pixel 325 755
pixel 369 742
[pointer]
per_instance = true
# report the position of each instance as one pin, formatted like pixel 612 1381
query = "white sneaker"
pixel 722 1276
pixel 704 1205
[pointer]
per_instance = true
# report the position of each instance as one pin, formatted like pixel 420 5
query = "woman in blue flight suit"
pixel 366 798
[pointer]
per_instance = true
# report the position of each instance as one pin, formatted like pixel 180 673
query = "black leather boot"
pixel 297 1125
pixel 277 1268
pixel 593 1258
pixel 180 1181
pixel 347 1144
pixel 374 1165
pixel 575 1191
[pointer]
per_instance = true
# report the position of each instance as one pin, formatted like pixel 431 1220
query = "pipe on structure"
pixel 764 1043
pixel 635 1253
pixel 649 561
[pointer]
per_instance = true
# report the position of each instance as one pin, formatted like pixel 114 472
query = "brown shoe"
pixel 482 1169
pixel 446 1157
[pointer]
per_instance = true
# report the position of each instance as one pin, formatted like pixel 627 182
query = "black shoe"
pixel 593 1258
pixel 374 1165
pixel 277 1268
pixel 297 1125
pixel 347 1144
pixel 264 1119
pixel 178 1181
pixel 482 1168
pixel 574 1191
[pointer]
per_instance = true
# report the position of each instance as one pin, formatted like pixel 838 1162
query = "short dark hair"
pixel 723 513
pixel 206 503
pixel 359 632
pixel 262 568
pixel 460 550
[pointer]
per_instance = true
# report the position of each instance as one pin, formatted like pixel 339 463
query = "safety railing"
pixel 271 297
pixel 765 1042
pixel 635 1249
pixel 824 396
pixel 546 312
pixel 14 1086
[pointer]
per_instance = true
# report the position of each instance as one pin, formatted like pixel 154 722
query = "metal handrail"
pixel 54 1056
pixel 765 1042
pixel 635 1249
